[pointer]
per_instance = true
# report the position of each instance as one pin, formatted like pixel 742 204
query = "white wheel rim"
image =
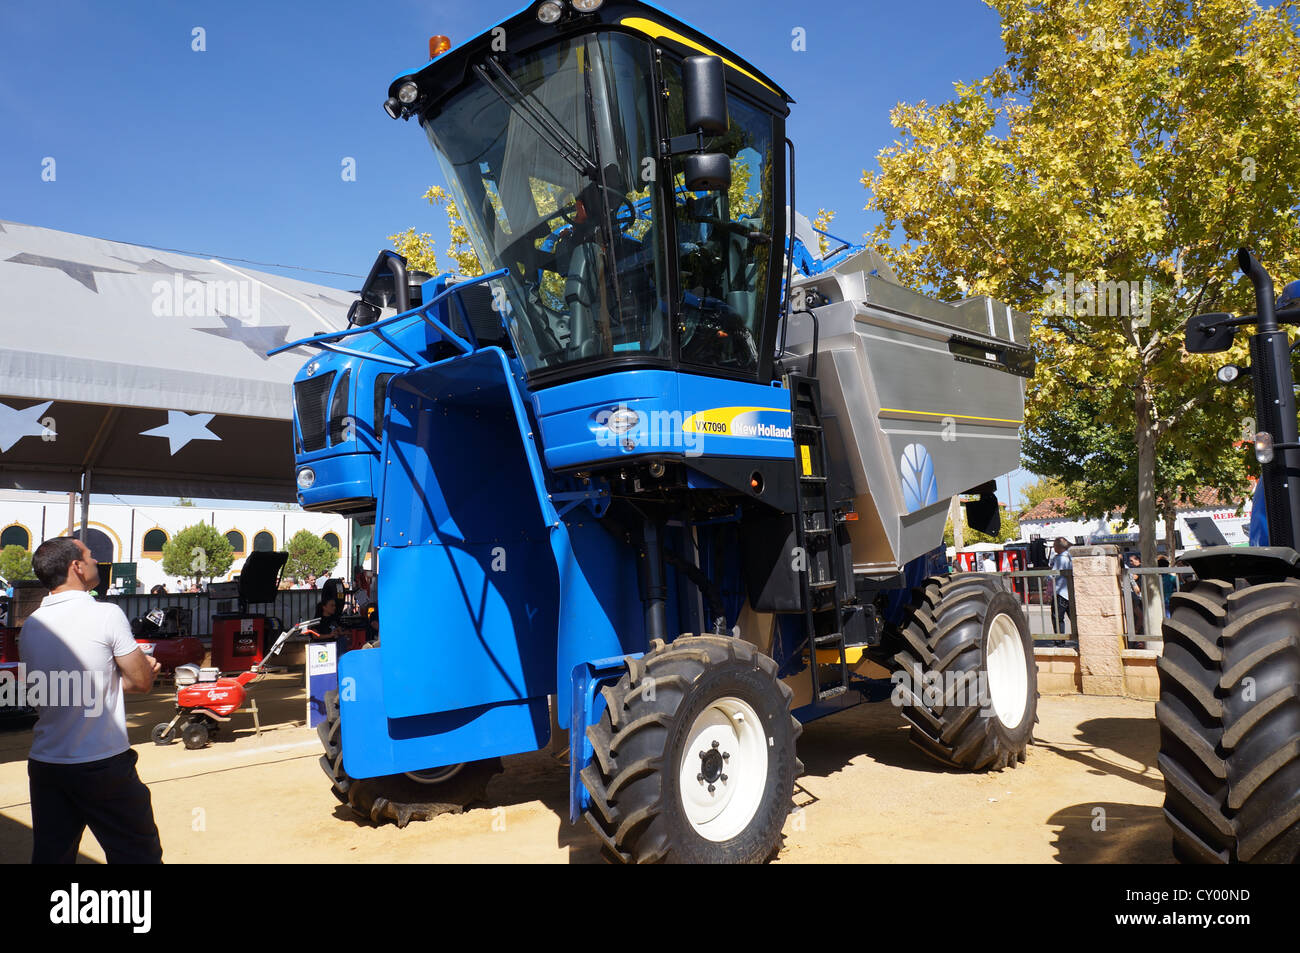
pixel 435 775
pixel 1007 672
pixel 726 750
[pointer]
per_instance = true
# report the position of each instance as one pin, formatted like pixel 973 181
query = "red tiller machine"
pixel 206 701
pixel 239 638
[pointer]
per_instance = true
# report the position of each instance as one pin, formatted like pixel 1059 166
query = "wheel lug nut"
pixel 723 779
pixel 715 744
pixel 699 777
pixel 710 788
pixel 726 755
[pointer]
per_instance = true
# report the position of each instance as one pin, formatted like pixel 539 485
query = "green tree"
pixel 309 555
pixel 1008 531
pixel 419 247
pixel 16 563
pixel 196 553
pixel 1133 145
pixel 1043 488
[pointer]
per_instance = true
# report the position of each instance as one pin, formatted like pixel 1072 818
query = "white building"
pixel 1200 523
pixel 123 533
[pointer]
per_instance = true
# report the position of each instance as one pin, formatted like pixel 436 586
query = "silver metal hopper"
pixel 922 400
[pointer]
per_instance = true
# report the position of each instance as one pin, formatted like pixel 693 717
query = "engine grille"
pixel 310 398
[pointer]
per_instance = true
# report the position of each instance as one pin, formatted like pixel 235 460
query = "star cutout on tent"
pixel 76 270
pixel 259 339
pixel 16 424
pixel 155 267
pixel 181 428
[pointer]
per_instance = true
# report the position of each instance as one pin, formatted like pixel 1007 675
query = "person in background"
pixel 988 563
pixel 1060 561
pixel 329 626
pixel 81 768
pixel 1168 581
pixel 1134 561
pixel 158 590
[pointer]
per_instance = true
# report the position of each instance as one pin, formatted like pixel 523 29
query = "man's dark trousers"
pixel 107 796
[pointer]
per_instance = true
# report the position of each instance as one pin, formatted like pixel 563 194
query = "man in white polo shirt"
pixel 82 768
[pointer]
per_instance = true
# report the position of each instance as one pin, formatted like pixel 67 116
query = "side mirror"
pixel 1209 333
pixel 387 285
pixel 706 171
pixel 362 313
pixel 704 95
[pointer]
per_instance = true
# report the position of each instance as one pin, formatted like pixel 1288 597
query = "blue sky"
pixel 237 151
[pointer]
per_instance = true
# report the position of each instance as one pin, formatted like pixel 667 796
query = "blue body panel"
pixel 677 414
pixel 375 744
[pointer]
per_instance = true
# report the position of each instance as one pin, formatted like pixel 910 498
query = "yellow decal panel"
pixel 806 453
pixel 741 422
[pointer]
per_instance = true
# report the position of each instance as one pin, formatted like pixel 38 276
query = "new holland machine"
pixel 663 476
pixel 1229 706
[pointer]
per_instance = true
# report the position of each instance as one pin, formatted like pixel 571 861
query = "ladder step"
pixel 822 586
pixel 831 692
pixel 832 640
pixel 812 479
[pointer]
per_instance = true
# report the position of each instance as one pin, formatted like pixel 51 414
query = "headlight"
pixel 1264 447
pixel 587 6
pixel 1228 373
pixel 408 93
pixel 622 420
pixel 549 11
pixel 306 478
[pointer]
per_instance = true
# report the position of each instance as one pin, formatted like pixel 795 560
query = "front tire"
pixel 967 681
pixel 1229 715
pixel 400 798
pixel 694 756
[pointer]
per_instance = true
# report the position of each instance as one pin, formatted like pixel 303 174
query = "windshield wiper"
pixel 538 119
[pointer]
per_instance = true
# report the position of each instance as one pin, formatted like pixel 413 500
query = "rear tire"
pixel 1229 714
pixel 967 681
pixel 694 756
pixel 195 735
pixel 400 798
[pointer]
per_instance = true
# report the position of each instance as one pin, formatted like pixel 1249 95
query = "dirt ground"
pixel 1090 793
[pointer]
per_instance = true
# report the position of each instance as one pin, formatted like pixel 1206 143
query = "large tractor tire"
pixel 694 756
pixel 1229 714
pixel 400 798
pixel 967 681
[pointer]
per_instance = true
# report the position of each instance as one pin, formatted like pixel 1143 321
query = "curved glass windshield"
pixel 551 160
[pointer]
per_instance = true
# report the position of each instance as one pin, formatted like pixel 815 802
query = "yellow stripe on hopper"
pixel 938 413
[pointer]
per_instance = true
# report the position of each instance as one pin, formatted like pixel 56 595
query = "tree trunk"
pixel 955 514
pixel 1170 516
pixel 1153 606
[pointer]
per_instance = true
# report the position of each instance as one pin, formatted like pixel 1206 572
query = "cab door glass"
pixel 724 239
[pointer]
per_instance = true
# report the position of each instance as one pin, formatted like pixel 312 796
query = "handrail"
pixel 325 341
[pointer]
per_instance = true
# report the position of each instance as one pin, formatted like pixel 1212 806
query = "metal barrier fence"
pixel 290 606
pixel 1138 616
pixel 1050 620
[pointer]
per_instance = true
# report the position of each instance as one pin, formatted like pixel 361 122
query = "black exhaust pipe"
pixel 1275 409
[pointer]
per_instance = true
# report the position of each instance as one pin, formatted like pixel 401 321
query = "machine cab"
pixel 630 238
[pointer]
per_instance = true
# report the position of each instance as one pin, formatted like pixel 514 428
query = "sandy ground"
pixel 1090 793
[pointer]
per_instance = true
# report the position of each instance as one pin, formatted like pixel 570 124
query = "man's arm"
pixel 138 670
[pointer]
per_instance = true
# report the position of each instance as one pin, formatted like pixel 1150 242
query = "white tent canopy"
pixel 124 369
